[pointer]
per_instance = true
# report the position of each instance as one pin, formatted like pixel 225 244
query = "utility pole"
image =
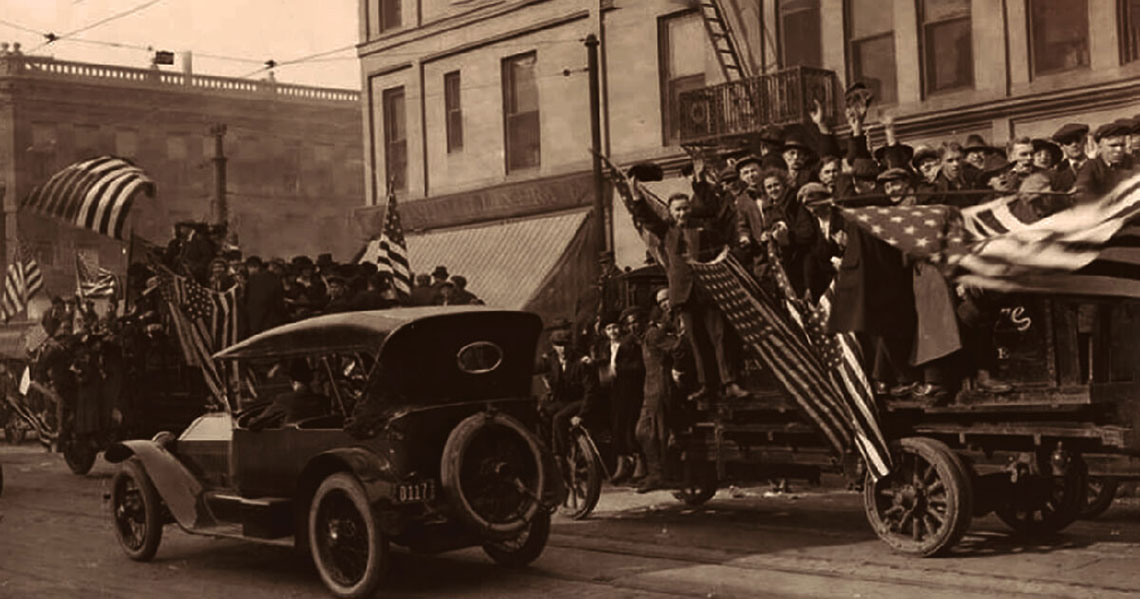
pixel 219 211
pixel 596 141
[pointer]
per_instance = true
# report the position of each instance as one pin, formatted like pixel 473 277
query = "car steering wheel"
pixel 244 417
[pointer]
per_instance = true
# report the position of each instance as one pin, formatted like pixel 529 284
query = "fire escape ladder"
pixel 723 41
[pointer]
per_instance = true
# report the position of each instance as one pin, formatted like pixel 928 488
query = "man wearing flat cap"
pixel 1071 137
pixel 572 393
pixel 1112 164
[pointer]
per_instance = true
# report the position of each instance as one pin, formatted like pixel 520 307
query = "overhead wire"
pixel 21 27
pixel 52 37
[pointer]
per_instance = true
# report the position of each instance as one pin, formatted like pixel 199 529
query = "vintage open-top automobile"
pixel 426 442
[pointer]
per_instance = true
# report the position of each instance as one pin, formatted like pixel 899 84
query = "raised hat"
pixel 1113 129
pixel 1053 149
pixel 727 174
pixel 1069 132
pixel 895 174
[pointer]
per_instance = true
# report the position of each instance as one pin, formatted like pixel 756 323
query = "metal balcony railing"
pixel 738 109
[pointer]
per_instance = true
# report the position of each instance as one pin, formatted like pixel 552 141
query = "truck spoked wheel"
pixel 1100 495
pixel 924 506
pixel 493 474
pixel 1042 504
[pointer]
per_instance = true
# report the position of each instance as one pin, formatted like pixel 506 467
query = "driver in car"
pixel 299 403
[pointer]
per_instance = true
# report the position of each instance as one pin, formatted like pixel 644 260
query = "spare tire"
pixel 493 474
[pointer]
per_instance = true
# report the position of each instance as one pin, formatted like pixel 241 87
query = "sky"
pixel 227 37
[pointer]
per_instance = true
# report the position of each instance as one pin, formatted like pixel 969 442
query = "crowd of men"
pixel 274 292
pixel 924 338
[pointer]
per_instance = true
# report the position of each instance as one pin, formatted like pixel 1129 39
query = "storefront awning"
pixel 506 264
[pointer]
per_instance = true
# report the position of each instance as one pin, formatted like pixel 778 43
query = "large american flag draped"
pixel 92 280
pixel 94 194
pixel 389 251
pixel 821 372
pixel 1091 249
pixel 205 322
pixel 22 281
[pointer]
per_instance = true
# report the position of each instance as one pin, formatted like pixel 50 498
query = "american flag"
pixel 23 280
pixel 205 322
pixel 389 251
pixel 94 194
pixel 821 373
pixel 1090 249
pixel 92 280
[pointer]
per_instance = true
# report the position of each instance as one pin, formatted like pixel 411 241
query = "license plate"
pixel 415 492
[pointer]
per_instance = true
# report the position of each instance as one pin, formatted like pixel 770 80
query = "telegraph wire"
pixel 21 28
pixel 52 37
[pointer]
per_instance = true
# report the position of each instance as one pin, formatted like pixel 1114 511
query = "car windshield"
pixel 341 377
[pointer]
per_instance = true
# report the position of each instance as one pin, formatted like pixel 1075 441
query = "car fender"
pixel 179 488
pixel 372 470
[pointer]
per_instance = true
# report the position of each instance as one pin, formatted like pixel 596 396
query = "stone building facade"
pixel 294 156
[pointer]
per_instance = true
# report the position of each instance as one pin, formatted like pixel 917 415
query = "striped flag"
pixel 1089 249
pixel 94 194
pixel 23 280
pixel 92 280
pixel 389 251
pixel 822 373
pixel 205 322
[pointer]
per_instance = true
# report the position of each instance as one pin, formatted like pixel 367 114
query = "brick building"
pixel 477 110
pixel 294 156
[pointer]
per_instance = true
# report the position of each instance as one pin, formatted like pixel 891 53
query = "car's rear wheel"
pixel 137 511
pixel 348 548
pixel 494 474
pixel 524 548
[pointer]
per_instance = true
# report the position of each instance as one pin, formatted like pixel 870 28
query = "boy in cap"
pixel 1071 138
pixel 572 393
pixel 1111 166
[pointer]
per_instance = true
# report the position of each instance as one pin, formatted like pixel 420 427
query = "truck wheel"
pixel 583 477
pixel 1042 504
pixel 137 511
pixel 348 548
pixel 1100 495
pixel 924 506
pixel 79 455
pixel 493 475
pixel 526 547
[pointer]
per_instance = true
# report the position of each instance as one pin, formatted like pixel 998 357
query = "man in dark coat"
pixel 822 256
pixel 264 297
pixel 197 252
pixel 1071 137
pixel 658 344
pixel 297 404
pixel 339 299
pixel 626 395
pixel 1112 164
pixel 423 293
pixel 685 238
pixel 462 296
pixel 774 212
pixel 572 390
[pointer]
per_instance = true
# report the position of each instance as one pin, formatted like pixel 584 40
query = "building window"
pixel 1059 35
pixel 871 48
pixel 453 111
pixel 681 48
pixel 520 111
pixel 389 14
pixel 1129 19
pixel 948 56
pixel 800 39
pixel 395 138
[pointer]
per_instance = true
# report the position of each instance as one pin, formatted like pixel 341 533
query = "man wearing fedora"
pixel 1071 139
pixel 1112 164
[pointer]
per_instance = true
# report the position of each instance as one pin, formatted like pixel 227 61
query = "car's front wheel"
pixel 348 548
pixel 137 511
